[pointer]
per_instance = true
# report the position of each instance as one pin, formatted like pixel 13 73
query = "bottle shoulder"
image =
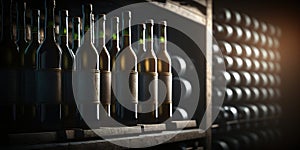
pixel 163 54
pixel 32 47
pixel 66 51
pixel 49 44
pixel 87 48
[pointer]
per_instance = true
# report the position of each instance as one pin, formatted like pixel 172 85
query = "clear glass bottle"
pixel 87 74
pixel 104 65
pixel 126 75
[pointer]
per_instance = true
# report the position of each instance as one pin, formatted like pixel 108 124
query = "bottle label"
pixel 126 87
pixel 67 87
pixel 87 86
pixel 148 87
pixel 48 86
pixel 105 87
pixel 29 86
pixel 165 96
pixel 9 86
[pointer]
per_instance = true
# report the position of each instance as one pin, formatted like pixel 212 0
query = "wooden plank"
pixel 209 43
pixel 153 127
pixel 185 11
pixel 183 124
pixel 132 141
pixel 32 138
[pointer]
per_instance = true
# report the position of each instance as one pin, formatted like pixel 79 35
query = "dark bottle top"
pixel 76 33
pixel 114 50
pixel 9 50
pixel 48 77
pixel 21 31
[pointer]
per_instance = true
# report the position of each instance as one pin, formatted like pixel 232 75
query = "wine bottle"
pixel 235 78
pixel 48 77
pixel 104 65
pixel 255 79
pixel 246 20
pixel 246 50
pixel 228 62
pixel 9 74
pixel 254 24
pixel 126 75
pixel 246 94
pixel 223 16
pixel 147 68
pixel 29 72
pixel 164 74
pixel 141 41
pixel 232 112
pixel 76 33
pixel 256 65
pixel 271 30
pixel 114 50
pixel 69 107
pixel 247 64
pixel 245 78
pixel 21 39
pixel 225 48
pixel 87 74
pixel 236 49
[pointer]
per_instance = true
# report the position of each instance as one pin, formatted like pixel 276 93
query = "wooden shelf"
pixel 188 12
pixel 139 140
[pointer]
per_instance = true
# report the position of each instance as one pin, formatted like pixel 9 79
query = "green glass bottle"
pixel 48 75
pixel 76 32
pixel 148 89
pixel 29 71
pixel 9 65
pixel 164 75
pixel 69 107
pixel 21 30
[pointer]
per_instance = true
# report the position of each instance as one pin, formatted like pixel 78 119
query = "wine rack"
pixel 184 133
pixel 250 115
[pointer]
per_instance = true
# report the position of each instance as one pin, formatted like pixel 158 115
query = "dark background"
pixel 285 14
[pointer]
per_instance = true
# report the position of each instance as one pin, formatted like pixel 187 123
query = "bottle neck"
pixel 76 35
pixel 100 34
pixel 114 35
pixel 63 32
pixel 21 21
pixel 35 26
pixel 88 31
pixel 141 37
pixel 149 38
pixel 49 24
pixel 126 35
pixel 163 38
